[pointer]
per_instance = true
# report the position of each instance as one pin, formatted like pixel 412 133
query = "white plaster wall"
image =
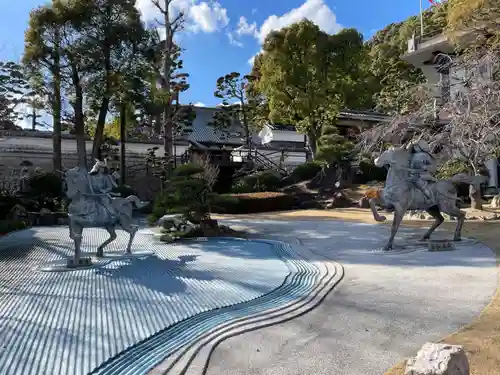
pixel 288 136
pixel 69 145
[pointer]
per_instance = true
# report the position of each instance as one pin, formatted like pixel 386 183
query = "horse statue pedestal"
pixel 82 262
pixel 440 245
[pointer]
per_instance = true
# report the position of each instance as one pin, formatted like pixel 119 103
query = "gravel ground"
pixel 386 307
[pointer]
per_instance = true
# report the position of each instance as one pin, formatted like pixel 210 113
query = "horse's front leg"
pixel 396 222
pixel 112 236
pixel 373 206
pixel 76 232
pixel 132 230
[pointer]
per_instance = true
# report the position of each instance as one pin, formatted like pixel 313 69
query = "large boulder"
pixel 339 200
pixel 495 202
pixel 438 359
pixel 364 202
pixel 176 223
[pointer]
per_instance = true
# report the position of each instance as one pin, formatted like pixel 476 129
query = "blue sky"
pixel 222 36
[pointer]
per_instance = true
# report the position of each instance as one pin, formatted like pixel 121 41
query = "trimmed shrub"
pixel 46 184
pixel 46 189
pixel 124 191
pixel 257 182
pixel 7 226
pixel 370 172
pixel 306 171
pixel 254 202
pixel 7 202
pixel 186 192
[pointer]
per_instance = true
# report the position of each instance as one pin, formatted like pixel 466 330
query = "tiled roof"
pixel 203 132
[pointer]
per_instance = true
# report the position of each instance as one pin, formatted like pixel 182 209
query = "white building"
pixel 432 55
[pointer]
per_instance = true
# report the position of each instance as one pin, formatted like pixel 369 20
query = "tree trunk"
pixel 313 146
pixel 167 66
pixel 99 130
pixel 79 120
pixel 33 119
pixel 245 125
pixel 157 124
pixel 56 110
pixel 123 133
pixel 103 109
pixel 476 200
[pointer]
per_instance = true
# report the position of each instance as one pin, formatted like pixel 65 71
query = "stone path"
pixel 225 306
pixel 126 315
pixel 385 308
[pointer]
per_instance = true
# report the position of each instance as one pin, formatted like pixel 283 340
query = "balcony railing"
pixel 415 42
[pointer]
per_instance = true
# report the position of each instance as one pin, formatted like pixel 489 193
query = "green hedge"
pixel 7 226
pixel 257 182
pixel 370 172
pixel 304 172
pixel 254 203
pixel 124 191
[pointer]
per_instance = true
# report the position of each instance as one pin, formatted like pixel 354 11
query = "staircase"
pixel 260 162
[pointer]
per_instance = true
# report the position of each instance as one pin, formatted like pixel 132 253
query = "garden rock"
pixel 175 219
pixel 495 202
pixel 438 359
pixel 209 227
pixel 339 200
pixel 364 202
pixel 309 205
pixel 176 223
pixel 18 212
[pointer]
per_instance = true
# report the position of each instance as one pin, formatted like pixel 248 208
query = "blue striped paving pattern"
pixel 143 356
pixel 85 320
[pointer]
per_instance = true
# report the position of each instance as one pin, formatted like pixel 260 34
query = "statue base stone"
pixel 82 262
pixel 90 260
pixel 440 245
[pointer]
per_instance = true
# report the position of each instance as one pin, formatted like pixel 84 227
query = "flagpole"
pixel 421 20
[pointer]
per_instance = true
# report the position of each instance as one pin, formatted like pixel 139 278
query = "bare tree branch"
pixel 465 126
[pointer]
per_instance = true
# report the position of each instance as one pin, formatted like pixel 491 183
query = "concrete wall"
pixel 38 151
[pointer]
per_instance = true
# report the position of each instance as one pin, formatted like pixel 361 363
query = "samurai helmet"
pixel 98 165
pixel 419 146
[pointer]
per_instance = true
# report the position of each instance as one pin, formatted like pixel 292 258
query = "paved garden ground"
pixel 126 315
pixel 199 304
pixel 385 308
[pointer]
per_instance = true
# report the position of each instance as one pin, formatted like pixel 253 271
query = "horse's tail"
pixel 136 201
pixel 463 178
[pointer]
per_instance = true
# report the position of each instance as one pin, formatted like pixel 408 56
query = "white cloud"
pixel 314 10
pixel 244 28
pixel 233 40
pixel 252 59
pixel 200 16
pixel 199 104
pixel 208 17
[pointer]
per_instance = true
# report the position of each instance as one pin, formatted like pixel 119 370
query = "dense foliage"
pixel 257 182
pixel 85 60
pixel 305 171
pixel 394 75
pixel 307 76
pixel 14 90
pixel 255 202
pixel 186 192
